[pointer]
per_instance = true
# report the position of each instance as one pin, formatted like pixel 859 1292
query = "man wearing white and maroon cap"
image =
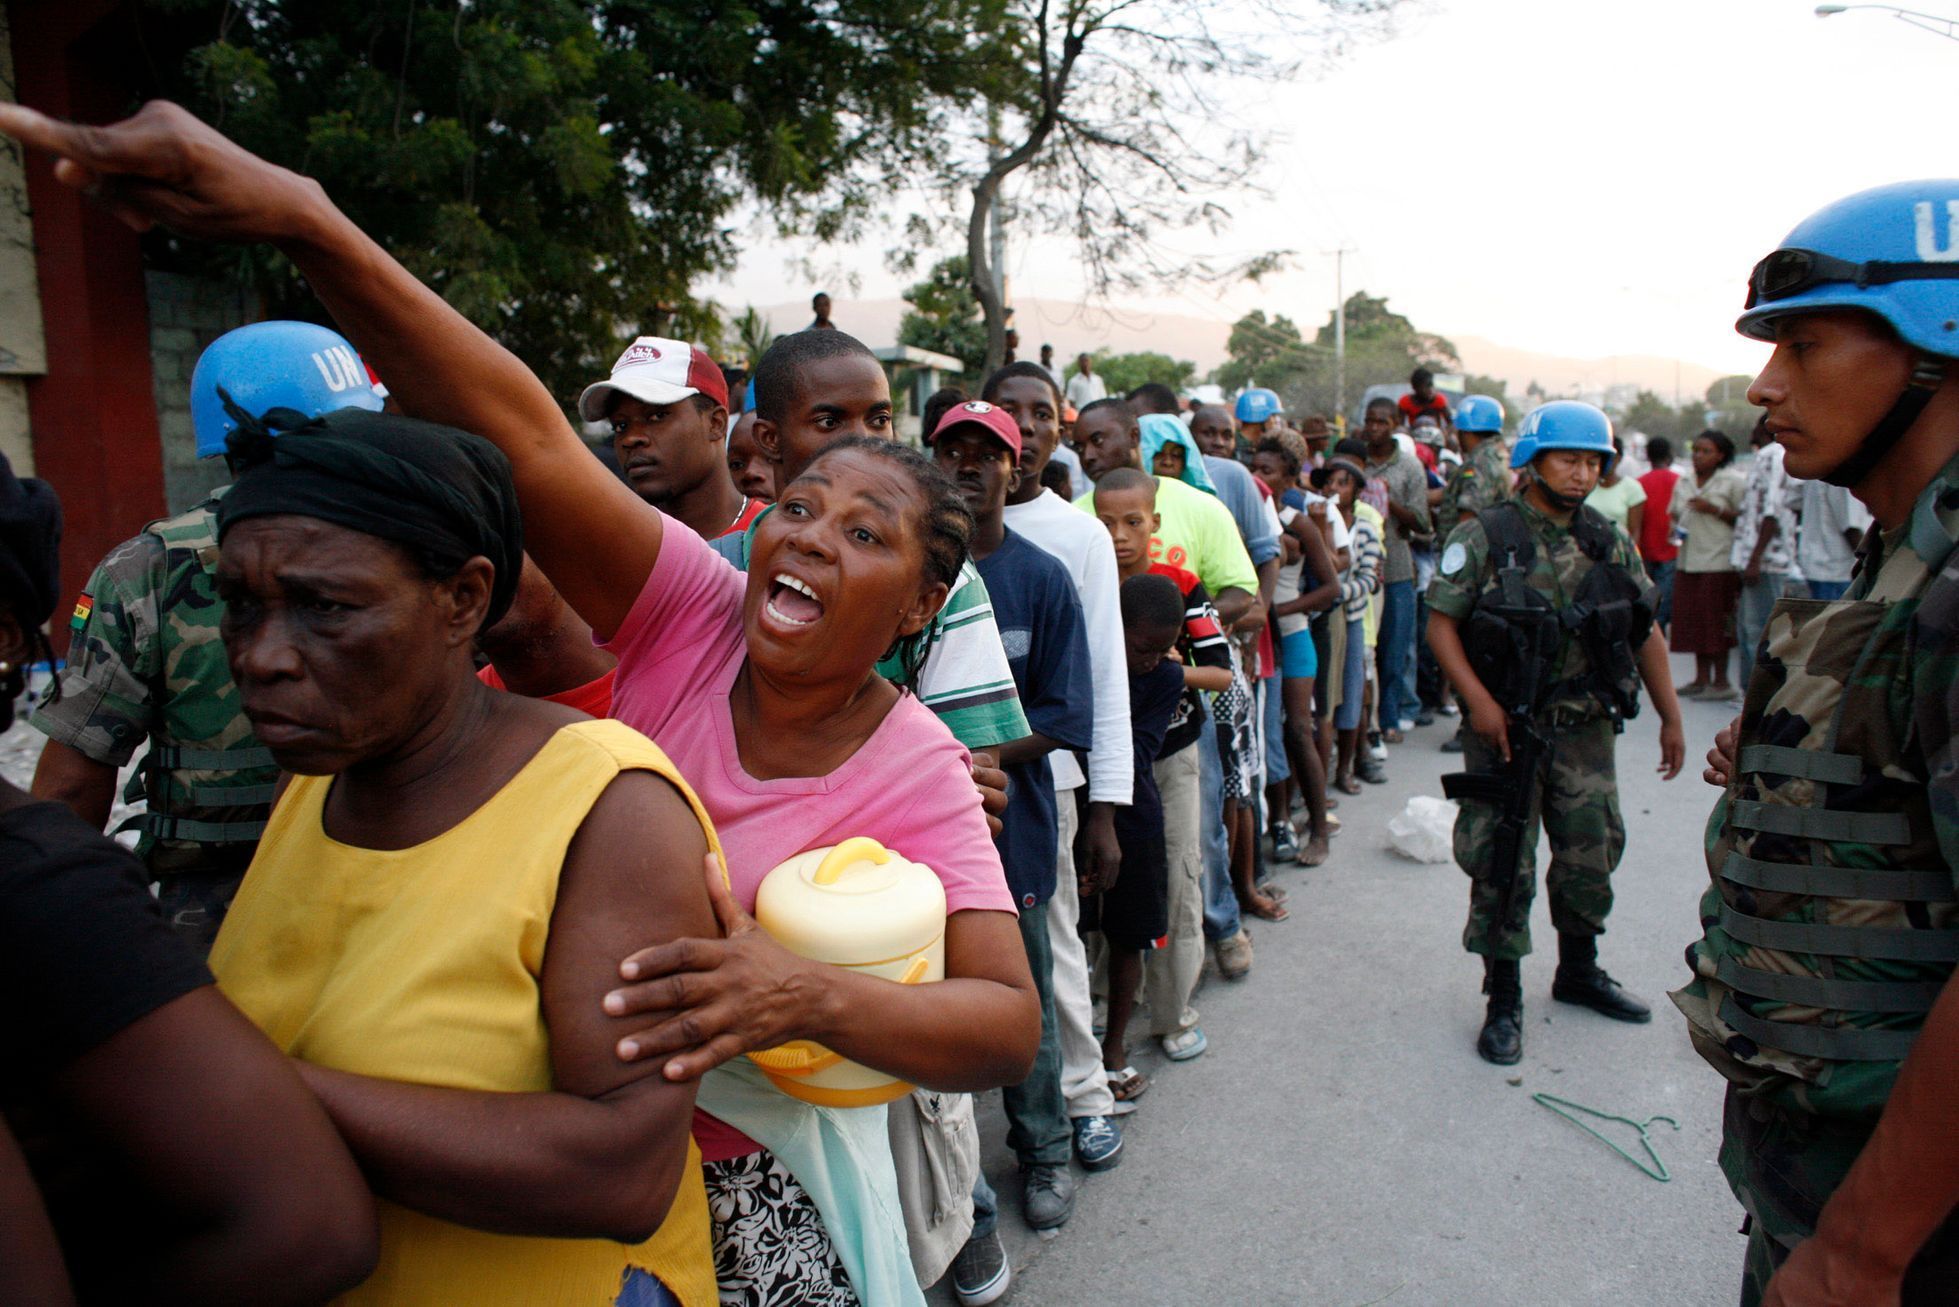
pixel 667 404
pixel 1046 639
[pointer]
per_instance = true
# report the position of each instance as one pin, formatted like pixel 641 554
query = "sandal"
pixel 1391 736
pixel 1128 1084
pixel 1346 785
pixel 1271 890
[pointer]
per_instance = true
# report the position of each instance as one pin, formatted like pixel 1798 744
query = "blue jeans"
pixel 1276 767
pixel 986 1208
pixel 1662 574
pixel 1353 676
pixel 1828 591
pixel 1221 920
pixel 1038 1129
pixel 1037 1112
pixel 1397 652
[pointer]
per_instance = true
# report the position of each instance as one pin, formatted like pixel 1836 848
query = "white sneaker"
pixel 1406 725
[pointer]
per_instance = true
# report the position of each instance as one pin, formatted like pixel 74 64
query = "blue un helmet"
pixel 1258 405
pixel 1479 415
pixel 1563 424
pixel 1892 251
pixel 269 365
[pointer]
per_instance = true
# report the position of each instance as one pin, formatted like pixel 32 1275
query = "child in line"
pixel 1134 913
pixel 1341 480
pixel 1125 503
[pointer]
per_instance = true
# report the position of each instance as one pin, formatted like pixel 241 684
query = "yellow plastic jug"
pixel 860 906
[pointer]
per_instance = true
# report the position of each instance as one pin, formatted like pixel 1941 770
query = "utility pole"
pixel 1340 336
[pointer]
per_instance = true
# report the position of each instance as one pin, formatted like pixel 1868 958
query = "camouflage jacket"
pixel 145 663
pixel 1833 918
pixel 1483 479
pixel 1466 571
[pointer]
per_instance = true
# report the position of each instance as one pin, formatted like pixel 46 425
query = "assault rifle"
pixel 1512 645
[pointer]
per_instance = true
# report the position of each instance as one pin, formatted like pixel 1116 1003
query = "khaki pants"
pixel 1083 1082
pixel 1170 973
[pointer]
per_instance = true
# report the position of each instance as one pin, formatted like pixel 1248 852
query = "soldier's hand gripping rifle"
pixel 1512 645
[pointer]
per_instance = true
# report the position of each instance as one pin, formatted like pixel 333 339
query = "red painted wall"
pixel 94 413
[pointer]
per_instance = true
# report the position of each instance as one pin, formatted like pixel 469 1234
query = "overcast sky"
pixel 1601 174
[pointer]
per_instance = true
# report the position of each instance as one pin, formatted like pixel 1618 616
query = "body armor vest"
pixel 206 779
pixel 1833 921
pixel 1514 635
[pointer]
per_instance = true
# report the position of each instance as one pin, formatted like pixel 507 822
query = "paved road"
pixel 1341 1144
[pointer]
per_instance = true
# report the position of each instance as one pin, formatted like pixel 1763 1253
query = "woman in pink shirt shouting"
pixel 761 688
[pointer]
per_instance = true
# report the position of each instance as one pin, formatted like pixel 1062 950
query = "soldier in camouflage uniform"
pixel 146 665
pixel 1831 927
pixel 1484 477
pixel 1595 650
pixel 1482 480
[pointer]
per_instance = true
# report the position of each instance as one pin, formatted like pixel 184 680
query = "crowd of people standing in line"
pixel 471 758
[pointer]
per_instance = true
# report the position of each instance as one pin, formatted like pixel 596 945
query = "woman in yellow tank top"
pixel 447 883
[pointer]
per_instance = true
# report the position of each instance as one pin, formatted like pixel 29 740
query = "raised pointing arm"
pixel 591 535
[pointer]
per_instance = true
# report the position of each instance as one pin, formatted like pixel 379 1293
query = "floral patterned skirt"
pixel 770 1247
pixel 1237 727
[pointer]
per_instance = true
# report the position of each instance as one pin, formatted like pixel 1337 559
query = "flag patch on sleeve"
pixel 83 607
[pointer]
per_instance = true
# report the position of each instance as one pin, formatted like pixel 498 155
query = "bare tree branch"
pixel 1122 134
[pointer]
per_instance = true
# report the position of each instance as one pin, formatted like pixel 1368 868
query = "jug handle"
pixel 798 1058
pixel 858 848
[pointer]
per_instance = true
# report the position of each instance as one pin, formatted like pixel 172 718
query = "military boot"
pixel 1583 981
pixel 1502 1040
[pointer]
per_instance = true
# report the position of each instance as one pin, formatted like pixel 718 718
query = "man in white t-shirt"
pixel 1083 546
pixel 1764 549
pixel 1084 386
pixel 1832 526
pixel 1047 366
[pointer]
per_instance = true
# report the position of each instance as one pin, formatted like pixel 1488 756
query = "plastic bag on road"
pixel 1424 830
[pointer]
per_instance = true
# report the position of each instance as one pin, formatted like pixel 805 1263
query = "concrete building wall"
pixel 186 315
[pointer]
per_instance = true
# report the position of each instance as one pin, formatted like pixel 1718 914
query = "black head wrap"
pixel 30 546
pixel 443 493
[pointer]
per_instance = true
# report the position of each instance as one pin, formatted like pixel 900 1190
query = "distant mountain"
pixel 1557 375
pixel 1071 328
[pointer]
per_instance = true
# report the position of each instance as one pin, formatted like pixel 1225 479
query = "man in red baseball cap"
pixel 978 446
pixel 667 404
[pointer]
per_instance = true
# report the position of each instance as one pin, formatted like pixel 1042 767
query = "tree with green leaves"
pixel 1728 408
pixel 564 172
pixel 1649 415
pixel 1122 373
pixel 1383 347
pixel 754 335
pixel 945 317
pixel 1110 120
pixel 1263 352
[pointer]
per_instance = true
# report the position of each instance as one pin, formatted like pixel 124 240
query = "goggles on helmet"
pixel 1791 272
